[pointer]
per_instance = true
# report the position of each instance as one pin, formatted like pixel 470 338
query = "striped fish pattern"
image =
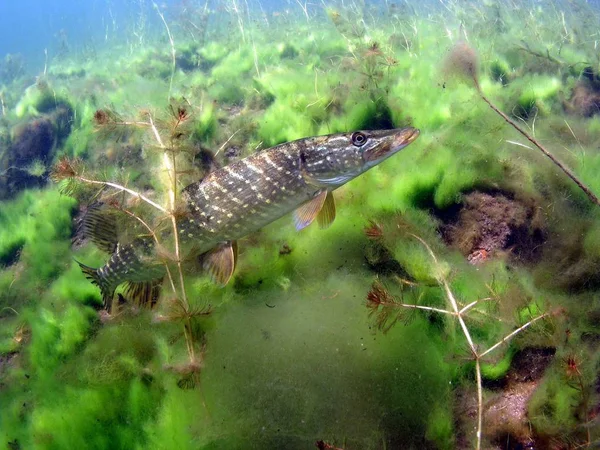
pixel 231 202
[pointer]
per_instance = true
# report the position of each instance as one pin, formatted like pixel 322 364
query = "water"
pixel 456 291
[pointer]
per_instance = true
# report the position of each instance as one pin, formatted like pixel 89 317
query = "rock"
pixel 585 99
pixel 490 222
pixel 505 415
pixel 24 162
pixel 26 157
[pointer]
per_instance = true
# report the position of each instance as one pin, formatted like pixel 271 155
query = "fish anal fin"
pixel 327 214
pixel 143 294
pixel 307 212
pixel 220 262
pixel 106 290
pixel 234 247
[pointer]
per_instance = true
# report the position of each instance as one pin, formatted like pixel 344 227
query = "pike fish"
pixel 233 201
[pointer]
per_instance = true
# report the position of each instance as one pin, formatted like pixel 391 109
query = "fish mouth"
pixel 400 139
pixel 404 137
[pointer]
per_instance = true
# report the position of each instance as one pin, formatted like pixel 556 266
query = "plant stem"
pixel 173 53
pixel 508 337
pixel 124 189
pixel 459 313
pixel 535 142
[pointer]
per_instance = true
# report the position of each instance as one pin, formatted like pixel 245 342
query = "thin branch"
pixel 425 308
pixel 227 141
pixel 508 337
pixel 153 234
pixel 540 147
pixel 124 189
pixel 173 60
pixel 472 304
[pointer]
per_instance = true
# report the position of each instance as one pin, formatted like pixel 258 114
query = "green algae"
pixel 35 234
pixel 274 337
pixel 291 355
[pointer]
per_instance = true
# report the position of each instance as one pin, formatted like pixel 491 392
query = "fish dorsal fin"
pixel 100 226
pixel 307 212
pixel 220 262
pixel 327 214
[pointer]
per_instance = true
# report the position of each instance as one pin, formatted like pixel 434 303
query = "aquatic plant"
pixel 388 309
pixel 264 77
pixel 463 60
pixel 11 68
pixel 174 154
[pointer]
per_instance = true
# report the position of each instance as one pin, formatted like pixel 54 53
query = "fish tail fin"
pixel 143 294
pixel 96 278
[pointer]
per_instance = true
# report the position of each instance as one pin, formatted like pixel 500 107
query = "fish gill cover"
pixel 454 302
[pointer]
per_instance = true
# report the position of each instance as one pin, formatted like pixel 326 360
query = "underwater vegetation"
pixel 453 303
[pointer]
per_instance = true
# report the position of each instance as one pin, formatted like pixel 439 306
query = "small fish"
pixel 231 202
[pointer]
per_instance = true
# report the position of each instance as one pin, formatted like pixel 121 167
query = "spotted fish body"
pixel 240 198
pixel 253 192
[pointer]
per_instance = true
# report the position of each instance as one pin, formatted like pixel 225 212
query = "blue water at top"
pixel 31 27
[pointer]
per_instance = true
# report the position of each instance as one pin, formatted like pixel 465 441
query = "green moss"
pixel 322 45
pixel 592 241
pixel 498 369
pixel 206 126
pixel 553 406
pixel 39 224
pixel 295 93
pixel 72 420
pixel 214 51
pixel 39 99
pixel 362 114
pixel 281 123
pixel 427 104
pixel 117 354
pixel 529 312
pixel 47 250
pixel 261 268
pixel 55 336
pixel 228 92
pixel 79 142
pixel 287 51
pixel 500 70
pixel 413 256
pixel 8 343
pixel 9 253
pixel 233 66
pixel 175 418
pixel 374 398
pixel 537 93
pixel 71 286
pixel 440 427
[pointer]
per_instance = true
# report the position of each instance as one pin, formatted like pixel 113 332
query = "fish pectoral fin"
pixel 307 212
pixel 220 262
pixel 327 214
pixel 144 293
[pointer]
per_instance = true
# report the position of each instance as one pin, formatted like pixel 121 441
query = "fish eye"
pixel 358 138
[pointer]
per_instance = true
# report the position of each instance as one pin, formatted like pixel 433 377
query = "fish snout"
pixel 405 137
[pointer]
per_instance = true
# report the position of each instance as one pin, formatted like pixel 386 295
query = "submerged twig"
pixel 172 42
pixel 381 301
pixel 463 60
pixel 540 147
